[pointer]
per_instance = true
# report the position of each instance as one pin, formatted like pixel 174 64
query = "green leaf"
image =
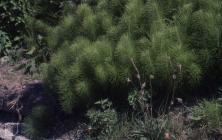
pixel 31 51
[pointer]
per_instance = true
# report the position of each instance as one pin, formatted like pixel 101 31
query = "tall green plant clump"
pixel 173 44
pixel 42 14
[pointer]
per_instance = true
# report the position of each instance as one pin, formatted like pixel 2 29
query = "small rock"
pixel 11 131
pixel 6 134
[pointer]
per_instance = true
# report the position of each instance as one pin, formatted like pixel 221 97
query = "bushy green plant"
pixel 175 42
pixel 199 22
pixel 26 24
pixel 37 124
pixel 5 43
pixel 12 18
pixel 35 40
pixel 104 119
pixel 41 16
pixel 208 114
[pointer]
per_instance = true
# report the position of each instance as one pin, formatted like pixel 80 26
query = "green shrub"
pixel 5 43
pixel 93 48
pixel 26 23
pixel 103 120
pixel 200 24
pixel 41 16
pixel 37 124
pixel 208 113
pixel 35 40
pixel 12 18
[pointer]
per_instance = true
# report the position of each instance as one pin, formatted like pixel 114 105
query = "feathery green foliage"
pixel 208 113
pixel 37 123
pixel 177 42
